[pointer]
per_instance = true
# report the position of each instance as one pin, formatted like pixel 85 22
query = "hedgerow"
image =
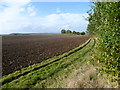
pixel 104 24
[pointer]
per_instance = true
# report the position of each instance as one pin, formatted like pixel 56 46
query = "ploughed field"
pixel 19 51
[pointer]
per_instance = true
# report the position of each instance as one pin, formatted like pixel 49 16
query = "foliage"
pixel 69 31
pixel 63 31
pixel 104 24
pixel 82 33
pixel 74 32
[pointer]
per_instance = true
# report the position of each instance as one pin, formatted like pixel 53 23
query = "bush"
pixel 104 24
pixel 63 31
pixel 82 33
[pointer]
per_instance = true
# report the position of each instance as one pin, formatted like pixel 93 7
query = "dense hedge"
pixel 104 23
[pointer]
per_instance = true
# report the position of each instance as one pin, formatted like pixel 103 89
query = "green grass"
pixel 54 73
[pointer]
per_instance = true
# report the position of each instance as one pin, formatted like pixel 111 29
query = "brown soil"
pixel 20 51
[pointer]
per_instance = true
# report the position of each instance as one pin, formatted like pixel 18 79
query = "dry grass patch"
pixel 87 77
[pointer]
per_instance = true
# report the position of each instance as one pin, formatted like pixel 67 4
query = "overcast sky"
pixel 26 16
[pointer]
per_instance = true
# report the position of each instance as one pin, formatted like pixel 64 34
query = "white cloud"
pixel 58 10
pixel 66 26
pixel 50 23
pixel 31 11
pixel 22 9
pixel 12 20
pixel 13 10
pixel 16 2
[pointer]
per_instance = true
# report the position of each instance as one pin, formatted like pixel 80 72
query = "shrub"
pixel 104 24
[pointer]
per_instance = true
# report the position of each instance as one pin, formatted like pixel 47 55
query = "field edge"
pixel 23 71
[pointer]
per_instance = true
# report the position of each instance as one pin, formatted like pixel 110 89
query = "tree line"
pixel 104 26
pixel 63 31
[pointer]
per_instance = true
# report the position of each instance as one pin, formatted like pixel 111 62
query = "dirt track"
pixel 23 50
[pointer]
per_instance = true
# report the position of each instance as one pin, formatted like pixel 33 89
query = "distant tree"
pixel 78 33
pixel 63 31
pixel 69 31
pixel 74 32
pixel 82 33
